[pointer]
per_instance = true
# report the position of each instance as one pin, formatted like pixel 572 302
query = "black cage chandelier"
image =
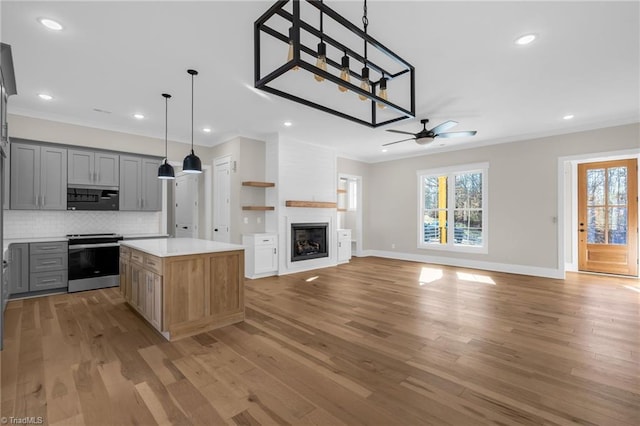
pixel 376 79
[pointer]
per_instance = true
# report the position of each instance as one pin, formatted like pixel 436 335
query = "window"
pixel 455 195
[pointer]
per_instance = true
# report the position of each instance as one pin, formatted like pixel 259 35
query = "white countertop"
pixel 5 243
pixel 167 247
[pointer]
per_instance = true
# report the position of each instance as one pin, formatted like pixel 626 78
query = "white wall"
pixel 523 191
pixel 303 172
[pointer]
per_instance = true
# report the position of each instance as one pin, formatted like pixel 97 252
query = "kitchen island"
pixel 183 286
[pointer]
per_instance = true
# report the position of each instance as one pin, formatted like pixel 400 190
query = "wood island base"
pixel 184 295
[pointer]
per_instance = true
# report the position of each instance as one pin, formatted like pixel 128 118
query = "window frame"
pixel 450 172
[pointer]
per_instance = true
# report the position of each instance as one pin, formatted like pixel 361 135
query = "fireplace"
pixel 308 241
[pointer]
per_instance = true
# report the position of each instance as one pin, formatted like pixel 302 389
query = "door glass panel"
pixel 596 225
pixel 617 185
pixel 595 187
pixel 617 222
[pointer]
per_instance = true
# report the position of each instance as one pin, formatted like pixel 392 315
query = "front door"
pixel 608 217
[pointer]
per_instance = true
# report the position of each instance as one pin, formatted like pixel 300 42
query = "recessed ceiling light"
pixel 288 123
pixel 45 96
pixel 51 24
pixel 206 130
pixel 525 39
pixel 568 117
pixel 138 116
pixel 385 150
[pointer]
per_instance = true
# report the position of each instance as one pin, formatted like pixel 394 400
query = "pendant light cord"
pixel 166 126
pixel 192 113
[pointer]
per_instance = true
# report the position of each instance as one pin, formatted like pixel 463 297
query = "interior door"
pixel 608 217
pixel 186 196
pixel 221 200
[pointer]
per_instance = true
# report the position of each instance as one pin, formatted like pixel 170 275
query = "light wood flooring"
pixel 361 343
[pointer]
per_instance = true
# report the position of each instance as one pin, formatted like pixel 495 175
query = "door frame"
pixel 359 223
pixel 568 203
pixel 207 177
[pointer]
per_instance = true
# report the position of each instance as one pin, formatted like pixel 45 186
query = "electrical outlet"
pixel 259 219
pixel 246 220
pixel 393 246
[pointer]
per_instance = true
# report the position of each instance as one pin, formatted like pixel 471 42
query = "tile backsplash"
pixel 33 223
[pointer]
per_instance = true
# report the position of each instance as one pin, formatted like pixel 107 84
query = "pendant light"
pixel 165 171
pixel 322 52
pixel 192 163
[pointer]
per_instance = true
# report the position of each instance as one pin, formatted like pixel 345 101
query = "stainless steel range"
pixel 93 261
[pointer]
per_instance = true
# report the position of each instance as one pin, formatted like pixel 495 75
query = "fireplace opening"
pixel 308 241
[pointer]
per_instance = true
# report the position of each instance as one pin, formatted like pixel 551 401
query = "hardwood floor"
pixel 361 343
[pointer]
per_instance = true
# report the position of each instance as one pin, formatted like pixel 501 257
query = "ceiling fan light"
pixel 424 140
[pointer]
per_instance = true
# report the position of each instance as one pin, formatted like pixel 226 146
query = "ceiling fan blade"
pixel 456 134
pixel 443 127
pixel 400 131
pixel 403 140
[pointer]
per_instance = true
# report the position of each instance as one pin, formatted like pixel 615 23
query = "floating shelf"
pixel 312 204
pixel 258 184
pixel 342 210
pixel 258 208
pixel 342 191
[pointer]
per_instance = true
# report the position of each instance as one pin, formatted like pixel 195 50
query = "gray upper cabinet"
pixel 151 190
pixel 38 177
pixel 93 168
pixel 140 187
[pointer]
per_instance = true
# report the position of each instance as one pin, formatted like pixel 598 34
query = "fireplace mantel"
pixel 312 204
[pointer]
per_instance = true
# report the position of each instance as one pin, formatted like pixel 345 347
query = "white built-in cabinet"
pixel 344 245
pixel 38 177
pixel 93 168
pixel 261 255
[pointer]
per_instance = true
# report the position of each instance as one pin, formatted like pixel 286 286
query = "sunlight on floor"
pixel 429 275
pixel 312 278
pixel 634 288
pixel 482 279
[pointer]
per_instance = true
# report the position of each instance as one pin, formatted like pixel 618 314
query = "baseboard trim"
pixel 466 263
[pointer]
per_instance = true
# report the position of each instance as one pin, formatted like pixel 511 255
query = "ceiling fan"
pixel 425 136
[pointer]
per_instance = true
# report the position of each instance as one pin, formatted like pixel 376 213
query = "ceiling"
pixel 120 56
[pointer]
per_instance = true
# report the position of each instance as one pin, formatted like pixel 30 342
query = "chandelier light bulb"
pixel 344 73
pixel 383 92
pixel 365 85
pixel 322 61
pixel 290 54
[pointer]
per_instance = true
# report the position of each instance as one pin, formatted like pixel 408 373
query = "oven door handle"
pixel 89 246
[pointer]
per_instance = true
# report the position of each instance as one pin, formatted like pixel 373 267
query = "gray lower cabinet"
pixel 38 266
pixel 38 177
pixel 18 268
pixel 139 184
